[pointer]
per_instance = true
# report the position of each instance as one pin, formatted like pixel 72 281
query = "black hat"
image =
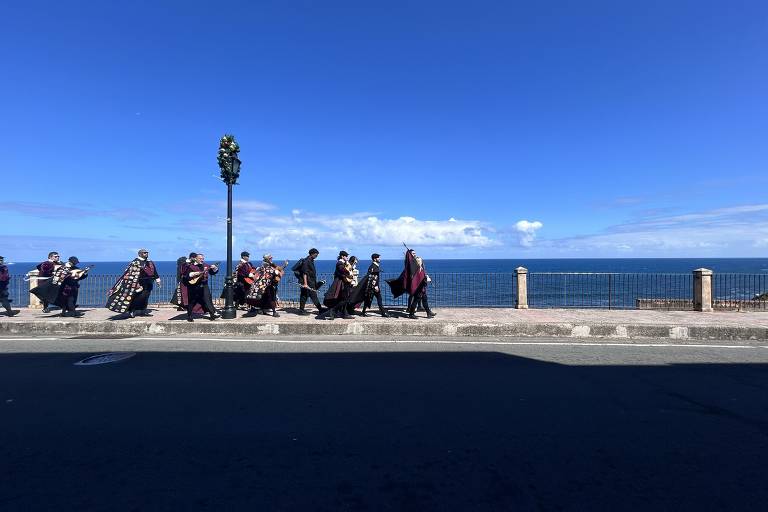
pixel 245 254
pixel 314 251
pixel 375 255
pixel 343 253
pixel 192 255
pixel 73 260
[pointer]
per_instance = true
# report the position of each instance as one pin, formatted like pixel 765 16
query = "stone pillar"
pixel 34 302
pixel 702 289
pixel 521 274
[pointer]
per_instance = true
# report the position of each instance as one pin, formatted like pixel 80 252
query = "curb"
pixel 342 328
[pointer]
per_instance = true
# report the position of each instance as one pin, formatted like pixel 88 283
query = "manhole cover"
pixel 112 357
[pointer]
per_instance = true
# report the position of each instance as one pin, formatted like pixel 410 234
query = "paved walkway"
pixel 449 322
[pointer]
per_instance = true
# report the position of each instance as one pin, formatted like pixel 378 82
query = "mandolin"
pixel 196 279
pixel 80 273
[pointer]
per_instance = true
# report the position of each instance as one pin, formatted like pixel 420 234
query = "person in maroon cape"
pixel 337 296
pixel 195 276
pixel 413 281
pixel 45 271
pixel 243 277
pixel 5 278
pixel 181 295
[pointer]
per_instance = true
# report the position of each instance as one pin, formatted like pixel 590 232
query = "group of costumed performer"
pixel 262 294
pixel 63 287
pixel 130 293
pixel 413 281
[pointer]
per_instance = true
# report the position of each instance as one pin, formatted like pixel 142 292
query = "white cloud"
pixel 366 229
pixel 527 231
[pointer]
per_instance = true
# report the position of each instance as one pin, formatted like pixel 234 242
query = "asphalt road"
pixel 210 424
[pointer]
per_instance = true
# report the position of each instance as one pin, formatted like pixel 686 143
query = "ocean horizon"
pixel 490 265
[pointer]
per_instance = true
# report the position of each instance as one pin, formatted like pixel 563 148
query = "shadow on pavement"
pixel 379 431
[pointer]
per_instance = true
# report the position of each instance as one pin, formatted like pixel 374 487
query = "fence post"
pixel 521 274
pixel 702 289
pixel 34 302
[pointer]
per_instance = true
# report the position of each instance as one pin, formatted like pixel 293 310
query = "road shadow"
pixel 379 431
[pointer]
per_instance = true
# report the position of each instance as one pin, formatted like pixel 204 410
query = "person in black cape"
pixel 130 294
pixel 195 278
pixel 63 287
pixel 370 287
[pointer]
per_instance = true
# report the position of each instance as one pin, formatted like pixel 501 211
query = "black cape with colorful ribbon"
pixel 409 280
pixel 125 288
pixel 50 289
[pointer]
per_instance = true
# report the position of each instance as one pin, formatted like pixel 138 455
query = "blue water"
pixel 623 265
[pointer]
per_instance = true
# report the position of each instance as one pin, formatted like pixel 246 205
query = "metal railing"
pixel 741 292
pixel 748 292
pixel 446 290
pixel 610 290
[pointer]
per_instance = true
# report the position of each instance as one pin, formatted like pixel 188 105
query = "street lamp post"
pixel 230 171
pixel 230 311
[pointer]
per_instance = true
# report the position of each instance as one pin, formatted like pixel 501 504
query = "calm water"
pixel 491 282
pixel 625 265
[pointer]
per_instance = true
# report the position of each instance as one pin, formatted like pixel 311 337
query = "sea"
pixel 586 282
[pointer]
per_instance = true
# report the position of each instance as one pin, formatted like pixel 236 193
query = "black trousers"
pixel 70 303
pixel 414 300
pixel 369 301
pixel 308 293
pixel 200 294
pixel 4 299
pixel 141 300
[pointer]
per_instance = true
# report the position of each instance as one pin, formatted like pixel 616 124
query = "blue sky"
pixel 467 129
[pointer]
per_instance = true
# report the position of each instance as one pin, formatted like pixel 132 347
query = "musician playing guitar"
pixel 70 278
pixel 195 275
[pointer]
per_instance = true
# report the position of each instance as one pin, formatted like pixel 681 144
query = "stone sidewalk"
pixel 575 323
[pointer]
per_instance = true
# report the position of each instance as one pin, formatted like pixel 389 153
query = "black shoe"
pixel 275 314
pixel 46 310
pixel 384 314
pixel 14 312
pixel 131 314
pixel 347 316
pixel 213 317
pixel 78 314
pixel 364 314
pixel 190 319
pixel 412 316
pixel 303 313
pixel 431 314
pixel 321 310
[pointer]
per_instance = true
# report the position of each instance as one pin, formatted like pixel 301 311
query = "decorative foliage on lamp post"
pixel 229 165
pixel 228 153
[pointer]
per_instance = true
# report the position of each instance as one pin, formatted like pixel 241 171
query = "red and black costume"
pixel 198 292
pixel 44 273
pixel 337 296
pixel 413 281
pixel 5 279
